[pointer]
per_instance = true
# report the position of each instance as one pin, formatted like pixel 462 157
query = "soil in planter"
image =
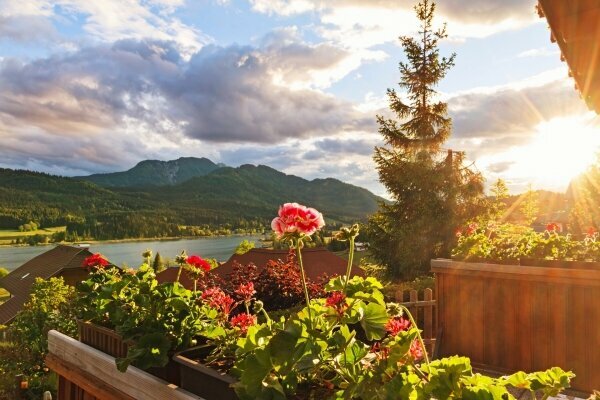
pixel 202 380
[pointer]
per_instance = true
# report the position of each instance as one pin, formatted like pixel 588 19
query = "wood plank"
pixel 540 339
pixel 135 383
pixel 428 314
pixel 593 366
pixel 557 329
pixel 73 375
pixel 577 345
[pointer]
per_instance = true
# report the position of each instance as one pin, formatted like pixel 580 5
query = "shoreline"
pixel 132 240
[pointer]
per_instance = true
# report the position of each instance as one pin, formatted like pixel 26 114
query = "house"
pixel 575 28
pixel 317 261
pixel 64 261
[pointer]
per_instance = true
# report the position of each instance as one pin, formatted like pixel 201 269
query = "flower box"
pixel 201 380
pixel 110 342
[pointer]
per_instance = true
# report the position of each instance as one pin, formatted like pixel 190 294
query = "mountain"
pixel 245 198
pixel 155 173
pixel 259 190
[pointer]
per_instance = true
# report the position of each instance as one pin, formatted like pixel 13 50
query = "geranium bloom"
pixel 198 262
pixel 472 228
pixel 337 300
pixel 217 299
pixel 396 325
pixel 591 232
pixel 95 261
pixel 243 321
pixel 553 227
pixel 245 291
pixel 416 350
pixel 296 218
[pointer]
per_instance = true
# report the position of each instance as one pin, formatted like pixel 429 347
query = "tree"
pixel 432 191
pixel 158 265
pixel 244 247
pixel 583 196
pixel 530 207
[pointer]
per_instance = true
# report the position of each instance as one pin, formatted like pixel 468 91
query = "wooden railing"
pixel 423 311
pixel 89 374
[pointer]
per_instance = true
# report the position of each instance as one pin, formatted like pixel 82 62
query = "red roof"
pixel 46 265
pixel 317 261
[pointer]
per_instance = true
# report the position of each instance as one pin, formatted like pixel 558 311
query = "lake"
pixel 130 253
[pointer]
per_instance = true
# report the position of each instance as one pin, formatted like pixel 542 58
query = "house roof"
pixel 317 261
pixel 44 266
pixel 576 30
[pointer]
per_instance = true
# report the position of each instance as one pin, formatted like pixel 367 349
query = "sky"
pixel 89 86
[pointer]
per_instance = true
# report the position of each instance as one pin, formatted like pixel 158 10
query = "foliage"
pixel 225 201
pixel 156 318
pixel 278 285
pixel 3 272
pixel 432 191
pixel 583 196
pixel 49 307
pixel 244 247
pixel 510 242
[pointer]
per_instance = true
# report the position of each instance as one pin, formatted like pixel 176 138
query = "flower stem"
pixel 179 273
pixel 350 261
pixel 412 321
pixel 299 253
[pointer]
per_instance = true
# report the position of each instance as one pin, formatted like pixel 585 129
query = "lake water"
pixel 130 253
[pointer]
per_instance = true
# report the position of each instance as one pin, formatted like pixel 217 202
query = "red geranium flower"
pixel 416 350
pixel 245 291
pixel 472 228
pixel 216 298
pixel 591 232
pixel 553 227
pixel 396 325
pixel 296 218
pixel 95 261
pixel 243 321
pixel 337 300
pixel 198 262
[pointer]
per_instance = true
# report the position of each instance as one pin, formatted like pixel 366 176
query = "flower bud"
pixel 258 306
pixel 147 253
pixel 182 258
pixel 394 309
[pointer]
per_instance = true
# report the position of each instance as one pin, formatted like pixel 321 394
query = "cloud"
pixel 366 23
pixel 539 52
pixel 145 95
pixel 27 28
pixel 103 21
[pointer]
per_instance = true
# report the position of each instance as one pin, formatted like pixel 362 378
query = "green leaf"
pixel 374 321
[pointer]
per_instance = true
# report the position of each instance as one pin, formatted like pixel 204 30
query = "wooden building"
pixel 575 27
pixel 317 261
pixel 63 261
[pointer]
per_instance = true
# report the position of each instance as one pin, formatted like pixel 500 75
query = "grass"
pixel 15 233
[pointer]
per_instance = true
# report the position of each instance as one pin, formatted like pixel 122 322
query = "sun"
pixel 561 149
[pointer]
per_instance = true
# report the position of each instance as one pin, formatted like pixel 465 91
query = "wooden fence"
pixel 507 318
pixel 424 313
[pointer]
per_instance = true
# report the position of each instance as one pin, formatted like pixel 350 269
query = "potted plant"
pixel 143 322
pixel 352 344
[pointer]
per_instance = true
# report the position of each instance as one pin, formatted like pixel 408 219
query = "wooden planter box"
pixel 109 342
pixel 89 374
pixel 516 317
pixel 202 380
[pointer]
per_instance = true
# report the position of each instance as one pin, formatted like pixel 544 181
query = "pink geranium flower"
pixel 245 291
pixel 553 227
pixel 296 218
pixel 396 325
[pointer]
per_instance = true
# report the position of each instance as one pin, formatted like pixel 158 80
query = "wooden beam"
pixel 84 379
pixel 100 370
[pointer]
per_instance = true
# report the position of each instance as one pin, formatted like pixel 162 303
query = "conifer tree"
pixel 158 265
pixel 432 191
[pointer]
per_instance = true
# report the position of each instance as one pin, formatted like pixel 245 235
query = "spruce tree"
pixel 432 191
